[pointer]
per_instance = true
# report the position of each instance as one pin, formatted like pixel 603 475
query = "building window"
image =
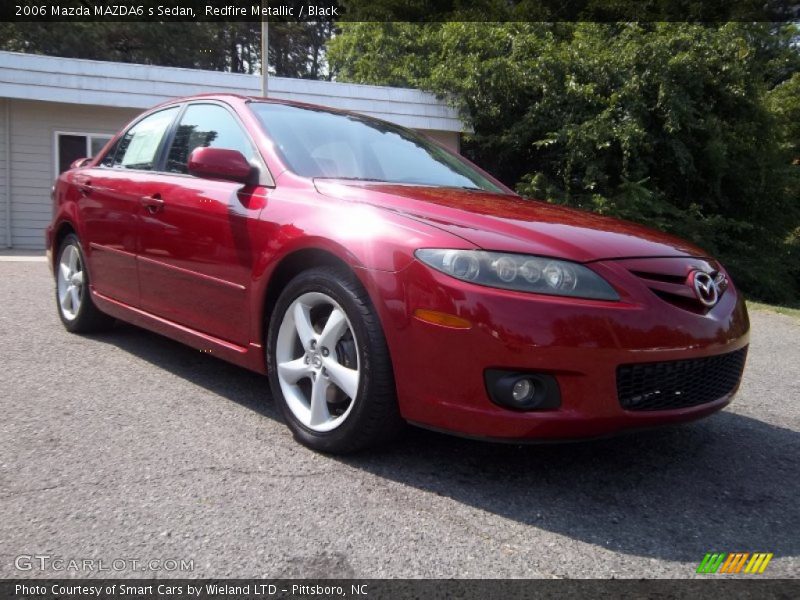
pixel 72 146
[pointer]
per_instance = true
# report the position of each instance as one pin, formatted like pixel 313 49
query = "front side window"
pixel 138 148
pixel 324 144
pixel 108 159
pixel 206 126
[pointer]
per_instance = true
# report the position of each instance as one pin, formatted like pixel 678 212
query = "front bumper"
pixel 439 371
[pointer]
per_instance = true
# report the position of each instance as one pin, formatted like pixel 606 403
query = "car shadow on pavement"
pixel 728 483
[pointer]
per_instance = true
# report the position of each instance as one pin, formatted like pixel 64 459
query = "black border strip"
pixel 710 586
pixel 31 11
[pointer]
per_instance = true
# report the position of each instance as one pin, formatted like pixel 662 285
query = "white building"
pixel 54 110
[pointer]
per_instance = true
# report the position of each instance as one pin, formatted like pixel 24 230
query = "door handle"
pixel 152 204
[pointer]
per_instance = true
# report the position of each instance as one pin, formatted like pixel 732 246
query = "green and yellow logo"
pixel 734 562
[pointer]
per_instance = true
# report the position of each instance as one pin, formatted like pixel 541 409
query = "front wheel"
pixel 329 366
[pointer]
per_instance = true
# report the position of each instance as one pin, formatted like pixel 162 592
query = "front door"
pixel 195 250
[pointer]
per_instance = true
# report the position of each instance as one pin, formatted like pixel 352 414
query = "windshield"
pixel 321 144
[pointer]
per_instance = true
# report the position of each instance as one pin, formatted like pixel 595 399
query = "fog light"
pixel 523 390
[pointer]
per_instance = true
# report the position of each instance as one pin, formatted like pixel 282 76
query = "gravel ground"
pixel 129 445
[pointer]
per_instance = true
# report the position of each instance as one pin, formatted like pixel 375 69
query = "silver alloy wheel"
pixel 318 361
pixel 70 282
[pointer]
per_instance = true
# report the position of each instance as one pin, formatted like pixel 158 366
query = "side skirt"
pixel 250 357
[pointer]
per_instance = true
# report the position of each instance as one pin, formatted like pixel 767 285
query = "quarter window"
pixel 138 148
pixel 206 126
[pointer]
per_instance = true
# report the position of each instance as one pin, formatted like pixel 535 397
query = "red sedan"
pixel 378 279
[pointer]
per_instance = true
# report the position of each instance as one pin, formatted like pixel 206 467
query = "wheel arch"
pixel 288 267
pixel 63 229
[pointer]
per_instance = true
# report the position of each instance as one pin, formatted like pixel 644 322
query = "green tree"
pixel 295 49
pixel 784 104
pixel 669 124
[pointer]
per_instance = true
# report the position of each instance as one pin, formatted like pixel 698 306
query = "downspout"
pixel 9 243
pixel 264 55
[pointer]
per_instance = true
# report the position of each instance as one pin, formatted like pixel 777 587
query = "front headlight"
pixel 519 272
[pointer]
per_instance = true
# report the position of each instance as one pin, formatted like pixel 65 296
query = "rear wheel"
pixel 74 302
pixel 329 365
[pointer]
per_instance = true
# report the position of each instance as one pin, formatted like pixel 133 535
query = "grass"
pixel 784 310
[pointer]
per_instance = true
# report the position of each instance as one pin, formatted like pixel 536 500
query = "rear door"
pixel 196 246
pixel 110 205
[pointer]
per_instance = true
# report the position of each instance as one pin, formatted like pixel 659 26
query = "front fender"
pixel 367 238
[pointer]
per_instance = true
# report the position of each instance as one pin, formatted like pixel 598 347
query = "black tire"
pixel 88 318
pixel 374 417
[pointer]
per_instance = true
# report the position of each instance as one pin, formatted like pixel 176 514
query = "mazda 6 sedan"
pixel 378 278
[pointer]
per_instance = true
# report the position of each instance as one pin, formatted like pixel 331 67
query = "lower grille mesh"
pixel 679 383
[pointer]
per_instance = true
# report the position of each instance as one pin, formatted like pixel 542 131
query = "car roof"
pixel 242 99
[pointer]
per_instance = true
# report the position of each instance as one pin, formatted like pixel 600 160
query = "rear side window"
pixel 206 126
pixel 138 148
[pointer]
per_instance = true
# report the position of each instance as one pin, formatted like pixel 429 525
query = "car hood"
pixel 512 224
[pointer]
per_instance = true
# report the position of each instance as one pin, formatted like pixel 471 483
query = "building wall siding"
pixel 34 125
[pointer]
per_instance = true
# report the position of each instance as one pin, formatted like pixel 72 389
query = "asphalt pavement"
pixel 129 446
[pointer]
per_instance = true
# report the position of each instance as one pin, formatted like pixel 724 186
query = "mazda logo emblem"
pixel 705 288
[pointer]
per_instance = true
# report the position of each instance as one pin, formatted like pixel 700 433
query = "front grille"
pixel 670 279
pixel 679 383
pixel 677 291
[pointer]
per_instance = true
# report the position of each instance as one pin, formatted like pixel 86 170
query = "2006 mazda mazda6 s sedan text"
pixel 378 279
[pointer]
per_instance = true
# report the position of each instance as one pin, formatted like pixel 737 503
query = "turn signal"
pixel 440 318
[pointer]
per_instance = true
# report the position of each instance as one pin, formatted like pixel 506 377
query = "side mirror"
pixel 221 163
pixel 81 162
